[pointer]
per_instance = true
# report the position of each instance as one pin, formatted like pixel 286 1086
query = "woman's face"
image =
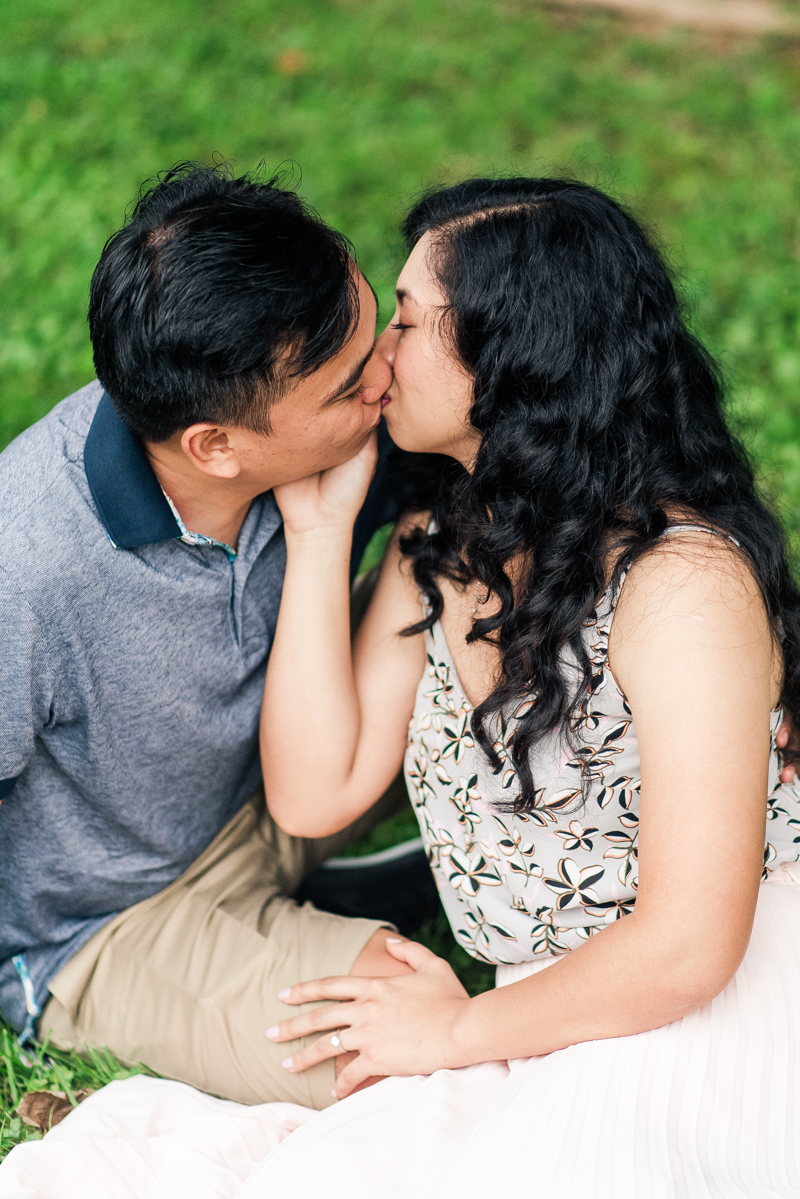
pixel 427 405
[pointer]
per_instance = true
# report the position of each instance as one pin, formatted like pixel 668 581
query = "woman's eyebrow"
pixel 403 294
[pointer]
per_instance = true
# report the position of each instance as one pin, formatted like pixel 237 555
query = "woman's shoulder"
pixel 690 566
pixel 411 521
pixel 396 570
pixel 694 592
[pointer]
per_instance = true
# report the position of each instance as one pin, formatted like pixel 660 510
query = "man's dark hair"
pixel 214 294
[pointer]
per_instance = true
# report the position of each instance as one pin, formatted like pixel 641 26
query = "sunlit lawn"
pixel 373 100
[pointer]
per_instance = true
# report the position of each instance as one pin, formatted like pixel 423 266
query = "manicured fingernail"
pixel 392 941
pixel 285 993
pixel 272 1033
pixel 334 1095
pixel 287 1063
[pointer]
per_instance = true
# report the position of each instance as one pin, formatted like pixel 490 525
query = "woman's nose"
pixel 386 344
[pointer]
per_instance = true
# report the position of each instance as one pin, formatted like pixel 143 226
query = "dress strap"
pixel 613 598
pixel 688 528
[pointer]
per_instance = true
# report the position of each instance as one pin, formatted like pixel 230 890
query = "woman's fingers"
pixel 411 952
pixel 332 1016
pixel 353 1077
pixel 787 737
pixel 346 987
pixel 315 1053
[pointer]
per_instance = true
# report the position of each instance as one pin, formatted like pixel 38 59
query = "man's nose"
pixel 379 377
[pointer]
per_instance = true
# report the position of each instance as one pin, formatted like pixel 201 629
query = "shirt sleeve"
pixel 25 682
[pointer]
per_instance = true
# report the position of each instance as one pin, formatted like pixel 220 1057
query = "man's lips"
pixel 385 399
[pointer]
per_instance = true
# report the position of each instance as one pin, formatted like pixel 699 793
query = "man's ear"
pixel 209 449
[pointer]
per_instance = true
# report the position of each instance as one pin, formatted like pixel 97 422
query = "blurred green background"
pixel 372 101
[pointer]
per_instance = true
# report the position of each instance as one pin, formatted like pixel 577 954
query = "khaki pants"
pixel 186 982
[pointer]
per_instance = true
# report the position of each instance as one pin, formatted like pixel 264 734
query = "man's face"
pixel 325 418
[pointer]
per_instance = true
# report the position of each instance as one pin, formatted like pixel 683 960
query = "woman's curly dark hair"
pixel 598 411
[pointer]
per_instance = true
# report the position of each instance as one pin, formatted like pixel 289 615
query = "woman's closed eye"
pixel 399 326
pixel 356 394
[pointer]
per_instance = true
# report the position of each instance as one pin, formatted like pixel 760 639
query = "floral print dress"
pixel 518 887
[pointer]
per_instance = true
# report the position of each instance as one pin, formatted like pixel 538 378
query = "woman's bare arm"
pixel 334 724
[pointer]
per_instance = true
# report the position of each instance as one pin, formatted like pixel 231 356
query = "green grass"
pixel 42 1068
pixel 373 100
pixel 701 137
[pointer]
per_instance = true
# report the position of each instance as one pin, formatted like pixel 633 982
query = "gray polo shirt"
pixel 131 670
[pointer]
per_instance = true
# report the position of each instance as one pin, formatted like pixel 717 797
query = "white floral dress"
pixel 515 887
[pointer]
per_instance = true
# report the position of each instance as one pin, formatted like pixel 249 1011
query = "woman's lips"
pixel 385 399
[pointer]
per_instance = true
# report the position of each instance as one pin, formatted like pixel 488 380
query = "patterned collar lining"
pixel 198 538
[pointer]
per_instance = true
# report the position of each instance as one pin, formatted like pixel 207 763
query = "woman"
pixel 596 597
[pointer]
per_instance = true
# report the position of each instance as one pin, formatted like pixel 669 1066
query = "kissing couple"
pixel 581 647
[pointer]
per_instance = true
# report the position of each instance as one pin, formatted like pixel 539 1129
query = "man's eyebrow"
pixel 351 379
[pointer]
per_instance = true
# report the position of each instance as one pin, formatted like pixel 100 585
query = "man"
pixel 144 902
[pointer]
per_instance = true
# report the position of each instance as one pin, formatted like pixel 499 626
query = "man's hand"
pixel 330 499
pixel 788 739
pixel 396 1025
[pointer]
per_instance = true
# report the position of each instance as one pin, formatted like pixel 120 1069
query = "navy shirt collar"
pixel 127 493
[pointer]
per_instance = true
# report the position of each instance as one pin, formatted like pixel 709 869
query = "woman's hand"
pixel 330 499
pixel 403 1024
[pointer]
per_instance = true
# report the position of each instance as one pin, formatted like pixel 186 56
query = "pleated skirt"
pixel 707 1107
